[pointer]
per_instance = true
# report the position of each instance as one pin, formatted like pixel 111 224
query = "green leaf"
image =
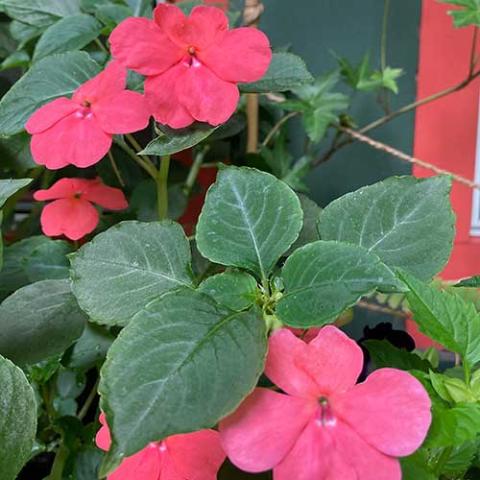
pixel 90 349
pixel 406 221
pixel 10 187
pixel 460 459
pixel 250 218
pixel 232 289
pixel 48 261
pixel 141 8
pixel 52 77
pixel 385 355
pixel 121 270
pixel 70 33
pixel 320 106
pixel 39 321
pixel 18 419
pixel 181 365
pixel 445 317
pixel 286 72
pixel 416 467
pixel 472 282
pixel 40 13
pixel 19 59
pixel 15 152
pixel 362 77
pixel 467 14
pixel 323 279
pixel 174 141
pixel 13 275
pixel 23 32
pixel 311 214
pixel 112 15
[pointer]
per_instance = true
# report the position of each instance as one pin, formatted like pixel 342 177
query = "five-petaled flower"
pixel 79 130
pixel 325 427
pixel 191 456
pixel 192 64
pixel 71 213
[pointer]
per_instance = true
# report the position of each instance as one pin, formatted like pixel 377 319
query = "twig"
pixel 472 75
pixel 146 165
pixel 194 170
pixel 88 402
pixel 408 158
pixel 115 169
pixel 277 127
pixel 379 309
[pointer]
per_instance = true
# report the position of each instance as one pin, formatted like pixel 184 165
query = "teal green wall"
pixel 350 28
pixel 314 28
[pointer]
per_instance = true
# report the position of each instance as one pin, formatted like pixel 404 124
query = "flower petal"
pixel 163 101
pixel 207 97
pixel 125 112
pixel 264 428
pixel 103 438
pixel 105 196
pixel 198 455
pixel 390 411
pixel 50 114
pixel 144 465
pixel 73 218
pixel 199 30
pixel 335 453
pixel 111 80
pixel 140 45
pixel 73 140
pixel 330 363
pixel 240 55
pixel 63 188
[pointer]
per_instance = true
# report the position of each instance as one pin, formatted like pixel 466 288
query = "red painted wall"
pixel 446 129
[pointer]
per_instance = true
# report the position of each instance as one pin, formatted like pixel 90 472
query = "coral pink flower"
pixel 72 213
pixel 79 130
pixel 192 64
pixel 191 456
pixel 325 427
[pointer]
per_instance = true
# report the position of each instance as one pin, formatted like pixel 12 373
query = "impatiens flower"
pixel 325 427
pixel 192 64
pixel 79 130
pixel 191 456
pixel 72 213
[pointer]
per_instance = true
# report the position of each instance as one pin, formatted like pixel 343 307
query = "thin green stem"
pixel 162 187
pixel 59 463
pixel 277 127
pixel 101 46
pixel 116 169
pixel 383 45
pixel 88 402
pixel 194 170
pixel 145 164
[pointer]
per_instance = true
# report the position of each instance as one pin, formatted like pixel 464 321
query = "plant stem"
pixel 472 75
pixel 115 169
pixel 162 187
pixel 101 46
pixel 383 45
pixel 88 402
pixel 145 164
pixel 59 463
pixel 277 127
pixel 194 170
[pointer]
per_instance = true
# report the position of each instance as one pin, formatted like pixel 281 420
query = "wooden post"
pixel 251 15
